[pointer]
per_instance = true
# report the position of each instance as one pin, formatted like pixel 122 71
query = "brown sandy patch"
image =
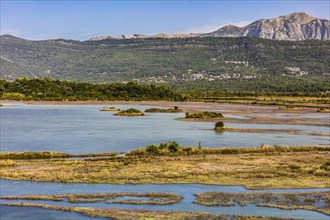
pixel 252 114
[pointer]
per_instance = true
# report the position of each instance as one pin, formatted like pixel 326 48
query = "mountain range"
pixel 293 27
pixel 219 61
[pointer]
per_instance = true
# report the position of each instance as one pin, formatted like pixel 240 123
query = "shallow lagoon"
pixel 186 190
pixel 85 129
pixel 33 213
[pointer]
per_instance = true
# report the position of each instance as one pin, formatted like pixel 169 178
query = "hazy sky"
pixel 81 20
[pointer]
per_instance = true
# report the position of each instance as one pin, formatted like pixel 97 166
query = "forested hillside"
pixel 234 64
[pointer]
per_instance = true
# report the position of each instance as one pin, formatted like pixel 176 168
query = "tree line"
pixel 48 89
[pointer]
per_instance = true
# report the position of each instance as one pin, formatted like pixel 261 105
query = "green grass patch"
pixel 130 112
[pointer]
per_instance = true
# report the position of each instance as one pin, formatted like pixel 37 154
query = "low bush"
pixel 161 110
pixel 204 115
pixel 130 112
pixel 152 149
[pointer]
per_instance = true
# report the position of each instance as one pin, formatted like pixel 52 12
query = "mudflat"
pixel 248 114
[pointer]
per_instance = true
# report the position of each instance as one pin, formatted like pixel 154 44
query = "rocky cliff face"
pixel 296 26
pixel 139 36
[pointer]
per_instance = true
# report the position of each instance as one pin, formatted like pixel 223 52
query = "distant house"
pixel 295 71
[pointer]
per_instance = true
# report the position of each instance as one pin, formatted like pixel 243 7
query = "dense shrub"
pixel 173 146
pixel 204 115
pixel 152 149
pixel 130 112
pixel 219 124
pixel 163 145
pixel 170 110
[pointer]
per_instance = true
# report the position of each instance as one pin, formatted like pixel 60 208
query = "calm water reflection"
pixel 85 129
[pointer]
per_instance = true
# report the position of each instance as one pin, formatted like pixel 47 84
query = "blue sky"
pixel 81 20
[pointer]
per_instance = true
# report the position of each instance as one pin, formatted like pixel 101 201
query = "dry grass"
pixel 7 163
pixel 323 110
pixel 106 108
pixel 275 100
pixel 126 214
pixel 289 108
pixel 246 150
pixel 111 198
pixel 50 155
pixel 307 101
pixel 264 170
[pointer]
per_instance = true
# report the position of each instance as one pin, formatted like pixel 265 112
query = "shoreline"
pixel 243 113
pixel 165 103
pixel 129 214
pixel 186 105
pixel 171 183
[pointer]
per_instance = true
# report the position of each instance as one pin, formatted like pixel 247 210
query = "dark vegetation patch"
pixel 130 112
pixel 173 148
pixel 317 201
pixel 57 90
pixel 162 110
pixel 204 115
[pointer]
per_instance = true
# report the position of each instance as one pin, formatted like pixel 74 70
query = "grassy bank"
pixel 50 155
pixel 165 149
pixel 255 168
pixel 316 201
pixel 128 214
pixel 111 198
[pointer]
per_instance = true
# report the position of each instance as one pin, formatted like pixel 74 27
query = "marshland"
pixel 318 201
pixel 185 110
pixel 126 214
pixel 47 143
pixel 110 198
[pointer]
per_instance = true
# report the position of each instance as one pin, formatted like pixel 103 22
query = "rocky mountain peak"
pixel 295 26
pixel 299 17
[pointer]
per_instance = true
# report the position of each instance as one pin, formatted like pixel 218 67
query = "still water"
pixel 8 187
pixel 33 213
pixel 85 129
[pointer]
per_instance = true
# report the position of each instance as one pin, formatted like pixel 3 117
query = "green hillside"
pixel 230 63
